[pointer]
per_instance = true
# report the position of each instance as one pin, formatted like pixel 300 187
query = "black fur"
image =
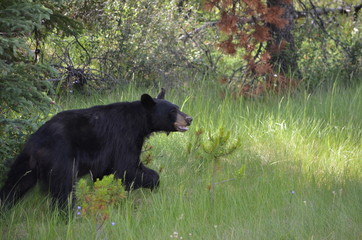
pixel 99 141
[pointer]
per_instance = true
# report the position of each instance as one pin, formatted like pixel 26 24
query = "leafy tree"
pixel 329 40
pixel 261 33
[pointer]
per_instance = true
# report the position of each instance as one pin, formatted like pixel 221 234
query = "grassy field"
pixel 299 164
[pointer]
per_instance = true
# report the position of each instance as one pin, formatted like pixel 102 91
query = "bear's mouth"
pixel 180 128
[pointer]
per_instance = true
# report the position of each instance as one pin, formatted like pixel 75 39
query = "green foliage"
pixel 96 200
pixel 218 145
pixel 152 42
pixel 24 99
pixel 194 144
pixel 62 20
pixel 18 18
pixel 24 104
pixel 25 93
pixel 215 148
pixel 130 41
pixel 329 43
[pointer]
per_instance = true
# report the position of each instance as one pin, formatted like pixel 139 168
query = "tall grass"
pixel 302 179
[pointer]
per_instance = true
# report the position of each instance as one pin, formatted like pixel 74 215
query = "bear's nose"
pixel 188 120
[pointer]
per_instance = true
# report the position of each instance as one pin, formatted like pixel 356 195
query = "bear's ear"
pixel 147 101
pixel 161 95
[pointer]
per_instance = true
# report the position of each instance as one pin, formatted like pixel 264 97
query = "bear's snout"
pixel 182 121
pixel 188 120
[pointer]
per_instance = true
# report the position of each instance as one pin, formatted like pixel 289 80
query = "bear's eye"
pixel 173 110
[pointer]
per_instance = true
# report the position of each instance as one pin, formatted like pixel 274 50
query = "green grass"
pixel 302 179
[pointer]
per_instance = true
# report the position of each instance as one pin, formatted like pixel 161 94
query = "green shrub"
pixel 94 200
pixel 215 148
pixel 24 105
pixel 24 100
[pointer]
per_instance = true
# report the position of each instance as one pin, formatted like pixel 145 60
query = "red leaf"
pixel 275 16
pixel 243 39
pixel 210 4
pixel 227 23
pixel 261 33
pixel 223 80
pixel 263 68
pixel 228 46
pixel 265 57
pixel 275 48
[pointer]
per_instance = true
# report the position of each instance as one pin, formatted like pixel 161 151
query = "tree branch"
pixel 297 15
pixel 185 36
pixel 324 11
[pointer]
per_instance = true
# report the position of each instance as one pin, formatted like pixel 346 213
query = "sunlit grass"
pixel 302 179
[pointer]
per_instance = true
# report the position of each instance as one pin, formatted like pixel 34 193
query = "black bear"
pixel 100 140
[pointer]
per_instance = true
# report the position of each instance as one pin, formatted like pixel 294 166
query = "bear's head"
pixel 165 116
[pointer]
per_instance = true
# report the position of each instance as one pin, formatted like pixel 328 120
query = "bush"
pixel 94 200
pixel 135 41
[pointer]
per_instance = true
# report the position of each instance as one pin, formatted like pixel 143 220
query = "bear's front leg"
pixel 144 177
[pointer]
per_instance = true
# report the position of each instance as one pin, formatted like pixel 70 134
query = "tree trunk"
pixel 282 47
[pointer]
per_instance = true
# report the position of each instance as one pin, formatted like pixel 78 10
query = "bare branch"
pixel 323 11
pixel 185 36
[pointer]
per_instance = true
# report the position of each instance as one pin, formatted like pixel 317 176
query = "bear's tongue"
pixel 181 128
